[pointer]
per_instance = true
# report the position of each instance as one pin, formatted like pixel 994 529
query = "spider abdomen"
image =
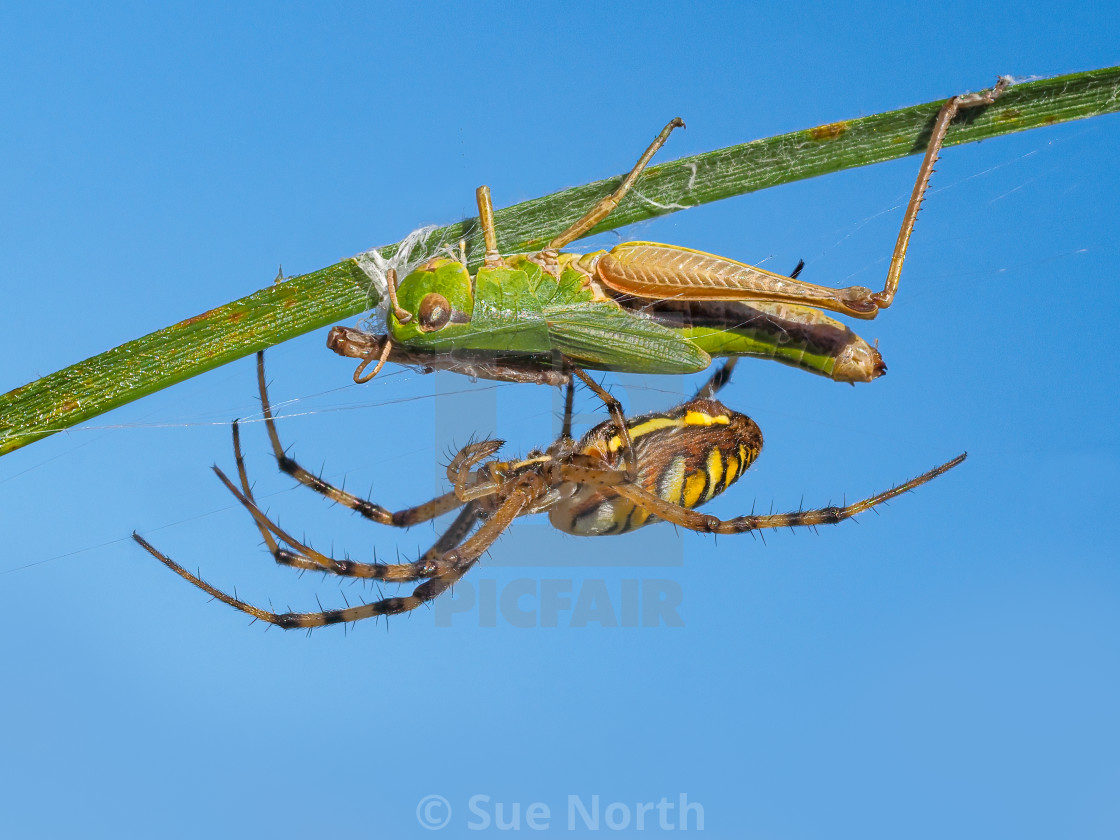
pixel 685 456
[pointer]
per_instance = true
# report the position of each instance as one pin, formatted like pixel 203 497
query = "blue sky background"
pixel 951 666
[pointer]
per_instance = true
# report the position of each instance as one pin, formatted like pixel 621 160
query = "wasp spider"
pixel 622 475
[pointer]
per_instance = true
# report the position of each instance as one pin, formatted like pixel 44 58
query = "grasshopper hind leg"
pixel 945 117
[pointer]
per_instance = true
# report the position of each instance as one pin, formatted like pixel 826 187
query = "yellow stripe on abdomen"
pixel 715 471
pixel 694 485
pixel 657 424
pixel 732 470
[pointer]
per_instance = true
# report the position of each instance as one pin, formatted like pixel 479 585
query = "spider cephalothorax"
pixel 622 475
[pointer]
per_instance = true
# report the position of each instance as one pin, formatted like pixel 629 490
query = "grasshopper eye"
pixel 434 312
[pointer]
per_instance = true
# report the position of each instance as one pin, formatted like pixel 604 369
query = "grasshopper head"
pixel 438 296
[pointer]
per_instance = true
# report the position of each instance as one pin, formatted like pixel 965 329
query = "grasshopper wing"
pixel 605 337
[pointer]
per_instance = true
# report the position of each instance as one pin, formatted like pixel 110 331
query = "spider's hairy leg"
pixel 458 560
pixel 386 606
pixel 569 404
pixel 710 524
pixel 247 489
pixel 614 408
pixel 464 523
pixel 303 556
pixel 370 510
pixel 717 380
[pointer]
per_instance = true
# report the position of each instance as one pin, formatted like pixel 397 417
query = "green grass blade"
pixel 285 310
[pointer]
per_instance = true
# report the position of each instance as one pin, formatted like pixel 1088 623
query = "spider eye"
pixel 434 312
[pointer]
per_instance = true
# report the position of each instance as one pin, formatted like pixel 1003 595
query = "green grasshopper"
pixel 641 307
pixel 795 335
